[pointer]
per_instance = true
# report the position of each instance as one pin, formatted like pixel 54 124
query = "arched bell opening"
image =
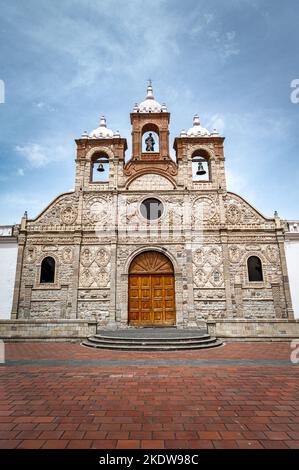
pixel 99 170
pixel 200 161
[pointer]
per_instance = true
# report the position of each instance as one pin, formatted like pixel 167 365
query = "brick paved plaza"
pixel 63 395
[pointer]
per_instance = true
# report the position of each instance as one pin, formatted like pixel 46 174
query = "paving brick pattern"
pixel 128 402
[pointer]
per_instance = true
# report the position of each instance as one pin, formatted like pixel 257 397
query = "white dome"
pixel 197 130
pixel 149 105
pixel 101 132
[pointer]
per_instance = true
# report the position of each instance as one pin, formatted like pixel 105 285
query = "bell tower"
pixel 200 158
pixel 150 139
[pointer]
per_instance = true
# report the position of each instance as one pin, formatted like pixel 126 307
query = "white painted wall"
pixel 292 255
pixel 8 261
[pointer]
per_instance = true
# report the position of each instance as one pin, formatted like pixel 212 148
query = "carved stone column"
pixel 75 282
pixel 113 263
pixel 286 286
pixel 276 294
pixel 239 300
pixel 27 300
pixel 226 272
pixel 17 287
pixel 188 309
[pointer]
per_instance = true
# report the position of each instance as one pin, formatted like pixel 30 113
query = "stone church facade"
pixel 152 240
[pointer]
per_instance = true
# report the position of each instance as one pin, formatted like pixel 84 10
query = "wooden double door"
pixel 151 290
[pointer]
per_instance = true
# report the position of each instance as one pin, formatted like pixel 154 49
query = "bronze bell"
pixel 200 170
pixel 101 167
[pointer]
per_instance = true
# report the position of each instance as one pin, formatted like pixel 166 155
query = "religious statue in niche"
pixel 149 143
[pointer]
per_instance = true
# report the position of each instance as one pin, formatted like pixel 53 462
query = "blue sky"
pixel 66 63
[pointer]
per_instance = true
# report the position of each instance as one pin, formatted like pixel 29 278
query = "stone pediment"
pixel 240 212
pixel 164 168
pixel 167 166
pixel 62 211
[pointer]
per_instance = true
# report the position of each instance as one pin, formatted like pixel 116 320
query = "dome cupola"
pixel 197 130
pixel 149 105
pixel 101 132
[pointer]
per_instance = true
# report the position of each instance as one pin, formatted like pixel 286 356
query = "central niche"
pixel 150 139
pixel 151 208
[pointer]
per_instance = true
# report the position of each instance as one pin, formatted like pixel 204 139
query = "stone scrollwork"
pixel 208 266
pixel 94 267
pixel 214 256
pixel 272 253
pixel 199 277
pixel 204 210
pixel 86 278
pixel 235 254
pixel 216 278
pixel 86 257
pixel 63 210
pixel 67 255
pixel 233 214
pixel 198 257
pixel 31 254
pixel 98 209
pixel 102 257
pixel 68 215
pixel 103 278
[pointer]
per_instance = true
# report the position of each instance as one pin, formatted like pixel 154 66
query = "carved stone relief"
pixel 68 215
pixel 208 266
pixel 94 267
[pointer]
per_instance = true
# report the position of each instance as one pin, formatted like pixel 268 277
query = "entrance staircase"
pixel 152 339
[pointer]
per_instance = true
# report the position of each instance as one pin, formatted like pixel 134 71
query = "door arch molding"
pixel 151 290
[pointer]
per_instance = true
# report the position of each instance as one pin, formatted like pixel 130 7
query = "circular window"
pixel 151 208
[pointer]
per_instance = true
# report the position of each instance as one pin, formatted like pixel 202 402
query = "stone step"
pixel 155 342
pixel 151 347
pixel 152 339
pixel 157 339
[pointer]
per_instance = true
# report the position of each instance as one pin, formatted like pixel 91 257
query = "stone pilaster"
pixel 226 272
pixel 276 294
pixel 75 281
pixel 239 300
pixel 285 277
pixel 188 309
pixel 18 277
pixel 27 300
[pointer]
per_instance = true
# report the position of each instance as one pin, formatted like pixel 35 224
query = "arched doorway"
pixel 151 290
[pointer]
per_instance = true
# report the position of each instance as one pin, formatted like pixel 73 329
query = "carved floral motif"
pixel 67 255
pixel 102 257
pixel 235 254
pixel 233 214
pixel 86 257
pixel 272 253
pixel 210 272
pixel 68 215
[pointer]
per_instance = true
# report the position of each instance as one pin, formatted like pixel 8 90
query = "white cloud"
pixel 236 181
pixel 42 105
pixel 225 44
pixel 208 17
pixel 20 172
pixel 217 122
pixel 35 154
pixel 129 40
pixel 38 155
